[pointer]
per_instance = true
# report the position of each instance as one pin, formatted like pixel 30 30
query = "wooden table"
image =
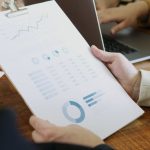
pixel 135 136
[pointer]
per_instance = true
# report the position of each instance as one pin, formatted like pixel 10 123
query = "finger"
pixel 47 130
pixel 39 124
pixel 102 7
pixel 37 137
pixel 108 15
pixel 102 55
pixel 119 27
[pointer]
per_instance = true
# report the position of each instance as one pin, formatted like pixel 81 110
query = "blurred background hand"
pixel 125 16
pixel 103 4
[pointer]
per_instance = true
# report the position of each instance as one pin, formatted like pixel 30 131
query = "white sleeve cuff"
pixel 144 96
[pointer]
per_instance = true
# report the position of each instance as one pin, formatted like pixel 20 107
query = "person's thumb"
pixel 102 55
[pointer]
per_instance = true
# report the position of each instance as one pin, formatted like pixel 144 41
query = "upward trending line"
pixel 29 27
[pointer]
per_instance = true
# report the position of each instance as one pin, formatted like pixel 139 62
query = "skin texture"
pixel 45 131
pixel 125 16
pixel 72 134
pixel 104 4
pixel 126 74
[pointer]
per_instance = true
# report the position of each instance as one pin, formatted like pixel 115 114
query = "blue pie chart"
pixel 68 115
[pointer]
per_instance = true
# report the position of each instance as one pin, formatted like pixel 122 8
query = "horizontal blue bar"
pixel 89 100
pixel 90 95
pixel 93 103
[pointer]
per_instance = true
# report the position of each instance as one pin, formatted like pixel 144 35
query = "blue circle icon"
pixel 46 57
pixel 35 60
pixel 69 117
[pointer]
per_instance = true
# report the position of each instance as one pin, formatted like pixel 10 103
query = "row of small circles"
pixel 54 53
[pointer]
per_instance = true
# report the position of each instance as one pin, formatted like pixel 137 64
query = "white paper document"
pixel 51 66
pixel 1 73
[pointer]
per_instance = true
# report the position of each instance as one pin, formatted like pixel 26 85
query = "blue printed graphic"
pixel 92 98
pixel 71 118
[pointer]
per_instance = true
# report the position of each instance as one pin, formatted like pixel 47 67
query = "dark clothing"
pixel 10 138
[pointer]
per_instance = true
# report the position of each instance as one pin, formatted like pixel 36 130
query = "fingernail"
pixel 93 47
pixel 113 32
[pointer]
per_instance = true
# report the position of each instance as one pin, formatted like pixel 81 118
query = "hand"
pixel 103 4
pixel 72 134
pixel 127 75
pixel 125 16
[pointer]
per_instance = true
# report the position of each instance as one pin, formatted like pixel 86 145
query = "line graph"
pixel 30 27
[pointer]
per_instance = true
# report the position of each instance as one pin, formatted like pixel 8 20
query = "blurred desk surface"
pixel 135 136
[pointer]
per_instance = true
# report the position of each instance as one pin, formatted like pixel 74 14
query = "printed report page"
pixel 53 69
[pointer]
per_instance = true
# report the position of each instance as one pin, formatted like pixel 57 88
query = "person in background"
pixel 48 136
pixel 135 13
